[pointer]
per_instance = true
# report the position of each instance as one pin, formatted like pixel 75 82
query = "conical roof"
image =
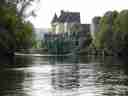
pixel 55 19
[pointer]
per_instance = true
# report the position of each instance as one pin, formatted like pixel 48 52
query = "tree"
pixel 15 31
pixel 113 34
pixel 121 33
pixel 104 38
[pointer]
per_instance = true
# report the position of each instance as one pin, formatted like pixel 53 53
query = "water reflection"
pixel 113 77
pixel 64 59
pixel 64 76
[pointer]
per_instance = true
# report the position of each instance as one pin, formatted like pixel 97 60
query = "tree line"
pixel 112 37
pixel 15 31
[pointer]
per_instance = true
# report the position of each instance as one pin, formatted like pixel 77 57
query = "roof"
pixel 55 18
pixel 67 17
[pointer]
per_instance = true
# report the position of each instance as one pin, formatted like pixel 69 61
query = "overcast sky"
pixel 87 8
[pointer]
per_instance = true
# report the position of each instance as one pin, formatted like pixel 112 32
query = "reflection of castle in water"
pixel 65 76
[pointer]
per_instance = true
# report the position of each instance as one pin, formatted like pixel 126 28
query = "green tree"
pixel 104 38
pixel 15 31
pixel 121 33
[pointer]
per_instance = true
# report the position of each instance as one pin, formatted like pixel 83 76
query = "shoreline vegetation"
pixel 17 33
pixel 112 37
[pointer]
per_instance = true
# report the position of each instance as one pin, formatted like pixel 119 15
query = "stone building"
pixel 68 30
pixel 66 22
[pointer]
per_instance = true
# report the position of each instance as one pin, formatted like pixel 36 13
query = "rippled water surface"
pixel 63 76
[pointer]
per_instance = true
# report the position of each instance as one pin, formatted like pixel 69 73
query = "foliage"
pixel 24 35
pixel 113 34
pixel 15 31
pixel 121 33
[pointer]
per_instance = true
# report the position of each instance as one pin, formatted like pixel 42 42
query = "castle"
pixel 67 33
pixel 68 22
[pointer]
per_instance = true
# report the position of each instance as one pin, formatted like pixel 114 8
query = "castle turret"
pixel 54 23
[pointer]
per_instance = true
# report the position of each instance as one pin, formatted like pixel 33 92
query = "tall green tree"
pixel 121 33
pixel 104 37
pixel 15 31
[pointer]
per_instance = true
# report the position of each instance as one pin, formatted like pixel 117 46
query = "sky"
pixel 46 9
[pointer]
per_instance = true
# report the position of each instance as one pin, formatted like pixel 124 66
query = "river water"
pixel 63 76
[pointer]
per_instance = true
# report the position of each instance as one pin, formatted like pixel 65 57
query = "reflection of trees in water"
pixel 23 61
pixel 10 83
pixel 15 61
pixel 113 77
pixel 26 61
pixel 20 61
pixel 7 61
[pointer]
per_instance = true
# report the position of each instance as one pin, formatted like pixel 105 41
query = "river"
pixel 63 76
